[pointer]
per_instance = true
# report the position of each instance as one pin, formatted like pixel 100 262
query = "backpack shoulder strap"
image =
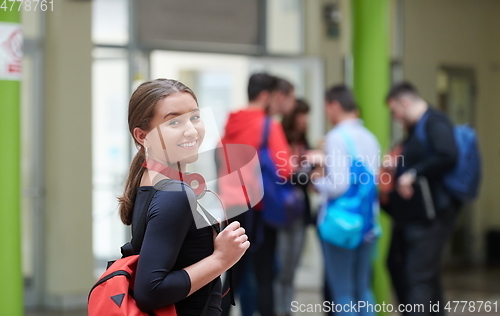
pixel 421 128
pixel 349 143
pixel 266 132
pixel 212 221
pixel 217 227
pixel 134 246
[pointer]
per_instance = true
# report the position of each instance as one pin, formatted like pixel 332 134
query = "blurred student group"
pixel 368 101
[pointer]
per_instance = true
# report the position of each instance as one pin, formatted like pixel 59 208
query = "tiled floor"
pixel 461 285
pixel 472 284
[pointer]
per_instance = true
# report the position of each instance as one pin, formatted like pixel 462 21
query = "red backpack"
pixel 113 293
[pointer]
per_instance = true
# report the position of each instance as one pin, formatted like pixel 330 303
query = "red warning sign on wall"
pixel 11 51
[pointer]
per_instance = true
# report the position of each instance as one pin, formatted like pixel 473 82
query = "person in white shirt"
pixel 348 271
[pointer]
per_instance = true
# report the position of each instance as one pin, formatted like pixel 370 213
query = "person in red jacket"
pixel 267 95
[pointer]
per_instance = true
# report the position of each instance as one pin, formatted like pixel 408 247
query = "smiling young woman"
pixel 176 134
pixel 179 263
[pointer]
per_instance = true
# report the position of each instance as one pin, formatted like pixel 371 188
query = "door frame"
pixel 462 248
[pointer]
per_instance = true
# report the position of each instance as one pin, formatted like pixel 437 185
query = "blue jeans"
pixel 289 249
pixel 348 274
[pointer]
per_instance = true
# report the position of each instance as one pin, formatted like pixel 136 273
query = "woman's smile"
pixel 179 130
pixel 189 145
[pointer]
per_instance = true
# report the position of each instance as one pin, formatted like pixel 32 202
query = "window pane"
pixel 110 151
pixel 110 22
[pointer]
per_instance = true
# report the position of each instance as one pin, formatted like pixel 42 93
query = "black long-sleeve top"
pixel 172 242
pixel 430 159
pixel 301 178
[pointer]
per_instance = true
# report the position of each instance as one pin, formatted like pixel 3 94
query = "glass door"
pixel 456 87
pixel 110 152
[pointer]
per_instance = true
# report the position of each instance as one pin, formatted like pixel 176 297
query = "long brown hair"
pixel 289 121
pixel 141 110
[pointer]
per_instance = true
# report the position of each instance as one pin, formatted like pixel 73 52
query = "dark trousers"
pixel 261 256
pixel 414 261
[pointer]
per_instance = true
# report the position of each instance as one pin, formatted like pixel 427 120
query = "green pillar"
pixel 371 83
pixel 11 289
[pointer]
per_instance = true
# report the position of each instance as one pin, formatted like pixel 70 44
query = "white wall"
pixel 284 27
pixel 331 50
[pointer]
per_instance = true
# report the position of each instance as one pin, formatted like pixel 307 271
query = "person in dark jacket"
pixel 423 211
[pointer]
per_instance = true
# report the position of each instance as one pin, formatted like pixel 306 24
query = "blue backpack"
pixel 282 202
pixel 349 217
pixel 463 181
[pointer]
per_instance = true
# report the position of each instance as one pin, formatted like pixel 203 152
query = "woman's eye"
pixel 173 122
pixel 195 118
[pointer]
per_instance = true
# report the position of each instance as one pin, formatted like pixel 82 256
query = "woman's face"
pixel 177 130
